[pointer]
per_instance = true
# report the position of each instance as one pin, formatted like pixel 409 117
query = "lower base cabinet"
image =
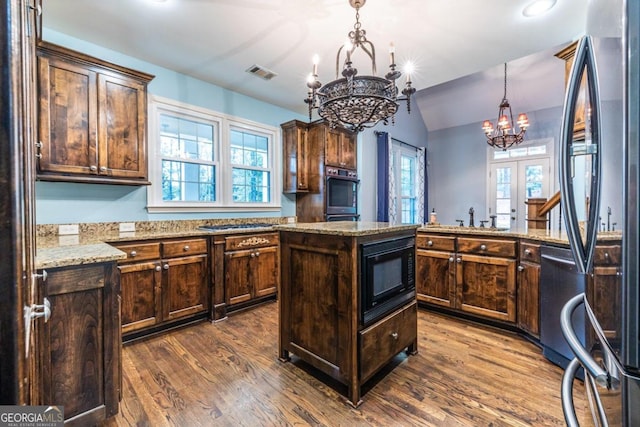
pixel 81 343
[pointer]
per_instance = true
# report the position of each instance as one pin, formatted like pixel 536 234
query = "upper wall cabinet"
pixel 93 117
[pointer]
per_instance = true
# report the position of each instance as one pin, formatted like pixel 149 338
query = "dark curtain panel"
pixel 383 177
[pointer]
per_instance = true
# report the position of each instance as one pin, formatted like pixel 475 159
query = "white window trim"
pixel 223 124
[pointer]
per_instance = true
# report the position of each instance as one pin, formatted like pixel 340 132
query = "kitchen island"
pixel 328 313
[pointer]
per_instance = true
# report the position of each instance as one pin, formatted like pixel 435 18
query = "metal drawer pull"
pixel 257 253
pixel 458 260
pixel 186 248
pixel 450 259
pixel 133 253
pixel 166 266
pixel 93 168
pixel 42 276
pixel 103 168
pixel 429 243
pixel 394 335
pixel 483 247
pixel 158 268
pixel 253 255
pixel 527 252
pixel 520 268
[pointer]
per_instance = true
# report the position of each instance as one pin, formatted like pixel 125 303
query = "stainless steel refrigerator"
pixel 599 169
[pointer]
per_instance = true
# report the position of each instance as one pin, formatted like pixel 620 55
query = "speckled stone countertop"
pixel 543 236
pixel 91 244
pixel 346 228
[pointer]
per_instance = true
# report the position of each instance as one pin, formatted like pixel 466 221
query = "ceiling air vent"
pixel 260 71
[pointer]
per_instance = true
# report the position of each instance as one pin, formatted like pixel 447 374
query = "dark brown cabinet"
pixel 435 282
pixel 80 343
pixel 163 282
pixel 486 277
pixel 295 147
pixel 92 119
pixel 252 268
pixel 605 286
pixel 474 275
pixel 340 148
pixel 529 289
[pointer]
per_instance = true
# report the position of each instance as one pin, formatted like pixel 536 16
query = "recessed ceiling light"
pixel 538 7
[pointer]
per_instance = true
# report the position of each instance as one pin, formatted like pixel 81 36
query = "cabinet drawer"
pixel 530 252
pixel 607 255
pixel 248 241
pixel 386 338
pixel 184 248
pixel 481 246
pixel 436 242
pixel 139 251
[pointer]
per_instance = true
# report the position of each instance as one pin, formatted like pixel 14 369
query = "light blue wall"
pixel 457 165
pixel 58 202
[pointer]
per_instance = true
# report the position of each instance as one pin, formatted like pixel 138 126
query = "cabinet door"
pixel 348 152
pixel 435 277
pixel 237 276
pixel 486 286
pixel 606 285
pixel 265 272
pixel 68 118
pixel 296 160
pixel 122 114
pixel 332 147
pixel 185 287
pixel 528 298
pixel 81 343
pixel 141 289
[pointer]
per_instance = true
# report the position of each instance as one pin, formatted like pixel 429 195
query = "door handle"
pixel 31 312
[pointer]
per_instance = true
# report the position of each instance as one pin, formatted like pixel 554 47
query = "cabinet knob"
pixel 527 252
pixel 520 268
pixel 606 255
pixel 103 168
pixel 450 259
pixel 186 248
pixel 394 335
pixel 429 243
pixel 42 276
pixel 93 168
pixel 158 268
pixel 257 253
pixel 253 254
pixel 133 253
pixel 458 260
pixel 483 247
pixel 301 184
pixel 166 266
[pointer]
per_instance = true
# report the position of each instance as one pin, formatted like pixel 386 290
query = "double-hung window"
pixel 204 161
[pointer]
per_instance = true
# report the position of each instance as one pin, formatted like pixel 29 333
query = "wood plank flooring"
pixel 228 374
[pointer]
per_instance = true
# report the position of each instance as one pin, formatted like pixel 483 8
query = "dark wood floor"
pixel 228 374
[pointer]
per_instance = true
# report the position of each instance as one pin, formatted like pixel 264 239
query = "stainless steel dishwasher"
pixel 559 282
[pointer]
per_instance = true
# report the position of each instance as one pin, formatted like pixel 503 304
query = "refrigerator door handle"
pixel 591 366
pixel 583 63
pixel 567 393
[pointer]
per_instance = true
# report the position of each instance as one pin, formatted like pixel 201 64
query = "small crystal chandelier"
pixel 357 102
pixel 505 135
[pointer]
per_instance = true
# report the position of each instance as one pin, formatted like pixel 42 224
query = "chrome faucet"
pixel 471 224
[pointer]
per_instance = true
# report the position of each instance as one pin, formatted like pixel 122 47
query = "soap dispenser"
pixel 433 218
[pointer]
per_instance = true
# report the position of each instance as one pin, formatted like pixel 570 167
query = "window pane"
pixel 186 139
pixel 409 210
pixel 250 185
pixel 184 181
pixel 249 149
pixel 533 177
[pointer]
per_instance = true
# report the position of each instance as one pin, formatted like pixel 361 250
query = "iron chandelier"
pixel 353 101
pixel 505 135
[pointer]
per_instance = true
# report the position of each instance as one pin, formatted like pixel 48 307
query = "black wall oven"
pixel 341 196
pixel 387 276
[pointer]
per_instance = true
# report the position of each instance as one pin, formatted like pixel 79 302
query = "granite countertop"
pixel 346 228
pixel 543 236
pixel 91 245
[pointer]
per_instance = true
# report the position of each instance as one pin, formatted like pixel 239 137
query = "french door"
pixel 511 184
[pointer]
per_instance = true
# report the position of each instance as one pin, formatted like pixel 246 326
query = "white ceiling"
pixel 217 40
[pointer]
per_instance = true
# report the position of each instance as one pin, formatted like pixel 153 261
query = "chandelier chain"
pixel 505 81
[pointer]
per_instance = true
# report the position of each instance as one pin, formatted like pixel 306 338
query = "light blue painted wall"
pixel 457 165
pixel 58 202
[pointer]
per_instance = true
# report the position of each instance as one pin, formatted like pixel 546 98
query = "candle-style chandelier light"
pixel 505 135
pixel 354 101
